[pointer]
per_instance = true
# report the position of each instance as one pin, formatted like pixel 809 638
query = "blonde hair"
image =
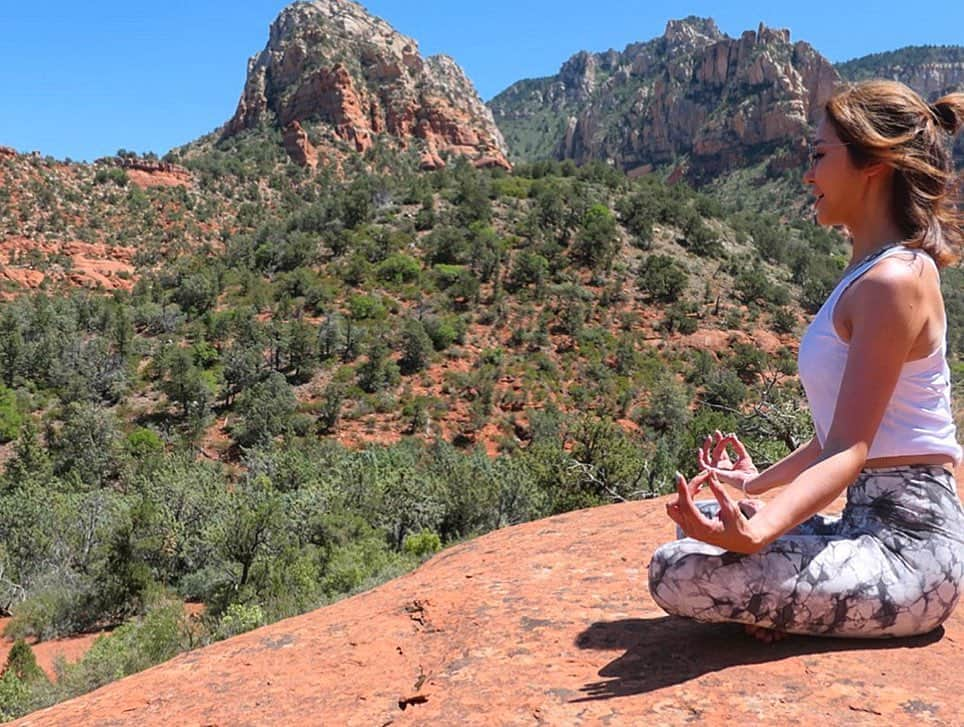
pixel 885 121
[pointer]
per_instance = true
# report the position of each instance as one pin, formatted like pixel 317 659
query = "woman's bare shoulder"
pixel 909 274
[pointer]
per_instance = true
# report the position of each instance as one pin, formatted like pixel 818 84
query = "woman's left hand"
pixel 731 531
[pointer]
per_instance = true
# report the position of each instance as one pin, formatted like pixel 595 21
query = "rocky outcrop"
pixel 931 80
pixel 693 93
pixel 149 172
pixel 348 78
pixel 546 623
pixel 699 100
pixel 298 146
pixel 149 166
pixel 932 71
pixel 30 264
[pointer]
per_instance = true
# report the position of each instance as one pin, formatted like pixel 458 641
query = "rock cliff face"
pixel 694 93
pixel 347 77
pixel 699 99
pixel 932 71
pixel 931 80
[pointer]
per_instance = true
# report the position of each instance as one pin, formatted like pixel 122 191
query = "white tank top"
pixel 917 420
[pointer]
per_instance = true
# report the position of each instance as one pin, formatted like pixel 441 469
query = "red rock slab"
pixel 548 623
pixel 145 179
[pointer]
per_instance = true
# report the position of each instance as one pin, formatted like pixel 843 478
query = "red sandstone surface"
pixel 549 623
pixel 145 179
pixel 298 146
pixel 91 265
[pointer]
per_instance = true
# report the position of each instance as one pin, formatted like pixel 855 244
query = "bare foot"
pixel 767 636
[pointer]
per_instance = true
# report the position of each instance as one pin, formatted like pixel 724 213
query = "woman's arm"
pixel 780 473
pixel 886 318
pixel 742 474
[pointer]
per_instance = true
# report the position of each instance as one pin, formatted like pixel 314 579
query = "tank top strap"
pixel 862 267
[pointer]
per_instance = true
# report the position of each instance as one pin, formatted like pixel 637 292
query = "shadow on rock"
pixel 664 651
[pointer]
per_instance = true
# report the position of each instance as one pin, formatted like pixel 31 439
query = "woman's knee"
pixel 664 577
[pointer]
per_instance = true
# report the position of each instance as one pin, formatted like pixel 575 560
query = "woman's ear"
pixel 876 169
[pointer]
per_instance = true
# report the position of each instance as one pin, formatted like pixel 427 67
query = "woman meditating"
pixel 873 366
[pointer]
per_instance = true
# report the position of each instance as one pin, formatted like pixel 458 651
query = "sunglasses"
pixel 813 156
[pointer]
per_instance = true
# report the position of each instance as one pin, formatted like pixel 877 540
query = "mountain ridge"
pixel 696 99
pixel 694 95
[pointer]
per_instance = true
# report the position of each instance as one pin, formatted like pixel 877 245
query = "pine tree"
pixel 22 663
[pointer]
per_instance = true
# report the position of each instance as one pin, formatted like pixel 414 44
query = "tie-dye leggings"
pixel 892 564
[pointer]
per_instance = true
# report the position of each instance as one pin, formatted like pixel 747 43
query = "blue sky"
pixel 82 80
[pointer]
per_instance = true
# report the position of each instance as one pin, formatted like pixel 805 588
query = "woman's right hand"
pixel 714 457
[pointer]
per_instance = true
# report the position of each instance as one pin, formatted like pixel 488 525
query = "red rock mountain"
pixel 331 73
pixel 546 623
pixel 693 95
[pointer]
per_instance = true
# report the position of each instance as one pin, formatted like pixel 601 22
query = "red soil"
pixel 71 649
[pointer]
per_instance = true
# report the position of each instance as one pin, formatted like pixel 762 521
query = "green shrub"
pixel 597 239
pixel 723 388
pixel 365 307
pixel 681 317
pixel 422 543
pixel 700 238
pixel 662 278
pixel 16 697
pixel 447 275
pixel 378 372
pixel 353 564
pixel 239 618
pixel 783 320
pixel 752 284
pixel 513 186
pixel 416 348
pixel 399 268
pixel 133 647
pixel 22 663
pixel 528 268
pixel 52 611
pixel 329 412
pixel 116 175
pixel 10 417
pixel 143 443
pixel 444 331
pixel 668 408
pixel 265 409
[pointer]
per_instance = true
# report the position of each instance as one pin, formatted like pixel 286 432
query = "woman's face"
pixel 834 180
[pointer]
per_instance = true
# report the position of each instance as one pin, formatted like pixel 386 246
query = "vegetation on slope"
pixel 506 345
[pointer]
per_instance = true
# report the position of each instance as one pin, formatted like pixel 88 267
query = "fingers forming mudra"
pixel 730 530
pixel 714 457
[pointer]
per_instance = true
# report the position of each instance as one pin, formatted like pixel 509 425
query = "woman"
pixel 873 366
